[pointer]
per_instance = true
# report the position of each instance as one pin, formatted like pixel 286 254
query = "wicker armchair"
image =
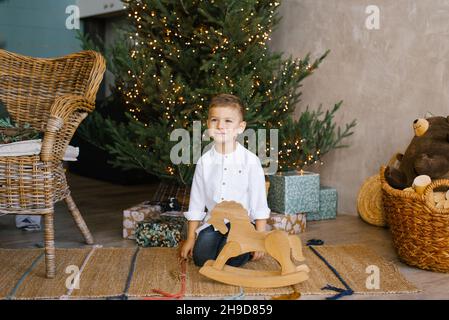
pixel 54 96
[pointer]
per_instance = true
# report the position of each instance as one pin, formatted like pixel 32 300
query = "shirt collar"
pixel 235 155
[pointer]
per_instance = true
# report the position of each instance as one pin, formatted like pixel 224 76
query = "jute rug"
pixel 153 272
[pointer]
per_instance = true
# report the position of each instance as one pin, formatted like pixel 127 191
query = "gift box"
pixel 293 191
pixel 328 205
pixel 164 231
pixel 291 223
pixel 138 213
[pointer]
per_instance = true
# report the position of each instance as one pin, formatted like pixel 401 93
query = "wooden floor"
pixel 102 204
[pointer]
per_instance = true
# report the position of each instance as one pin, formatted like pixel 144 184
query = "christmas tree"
pixel 178 54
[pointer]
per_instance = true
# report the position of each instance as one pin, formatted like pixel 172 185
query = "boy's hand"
pixel 257 255
pixel 187 246
pixel 187 249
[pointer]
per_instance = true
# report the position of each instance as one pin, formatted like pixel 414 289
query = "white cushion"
pixel 33 147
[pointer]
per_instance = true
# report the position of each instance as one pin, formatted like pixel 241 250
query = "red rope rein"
pixel 171 296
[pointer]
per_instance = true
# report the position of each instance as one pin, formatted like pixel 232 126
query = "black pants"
pixel 209 244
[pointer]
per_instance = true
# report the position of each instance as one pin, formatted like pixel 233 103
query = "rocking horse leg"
pixel 303 267
pixel 296 245
pixel 230 249
pixel 277 245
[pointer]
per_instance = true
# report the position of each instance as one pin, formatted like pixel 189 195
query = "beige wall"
pixel 386 77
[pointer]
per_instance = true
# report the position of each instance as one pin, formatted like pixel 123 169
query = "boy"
pixel 228 171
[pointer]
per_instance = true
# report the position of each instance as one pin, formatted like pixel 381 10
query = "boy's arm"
pixel 187 247
pixel 191 228
pixel 197 201
pixel 196 213
pixel 258 205
pixel 261 224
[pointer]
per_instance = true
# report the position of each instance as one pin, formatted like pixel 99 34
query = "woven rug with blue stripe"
pixel 132 273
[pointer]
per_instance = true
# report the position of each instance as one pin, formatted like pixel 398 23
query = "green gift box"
pixel 163 231
pixel 292 192
pixel 328 205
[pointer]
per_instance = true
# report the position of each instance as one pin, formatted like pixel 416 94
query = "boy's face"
pixel 224 124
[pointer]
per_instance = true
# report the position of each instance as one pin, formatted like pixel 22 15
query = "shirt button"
pixel 226 168
pixel 222 198
pixel 224 183
pixel 240 171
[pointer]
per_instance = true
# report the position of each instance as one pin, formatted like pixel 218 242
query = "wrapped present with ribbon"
pixel 328 205
pixel 146 211
pixel 167 230
pixel 141 212
pixel 291 223
pixel 294 191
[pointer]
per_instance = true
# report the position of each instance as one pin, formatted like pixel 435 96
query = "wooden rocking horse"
pixel 243 238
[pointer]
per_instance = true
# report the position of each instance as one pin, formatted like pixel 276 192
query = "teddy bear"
pixel 427 154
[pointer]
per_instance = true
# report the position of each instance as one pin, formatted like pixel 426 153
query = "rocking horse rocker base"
pixel 243 238
pixel 253 278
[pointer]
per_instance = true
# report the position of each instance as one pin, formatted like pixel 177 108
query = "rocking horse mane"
pixel 230 210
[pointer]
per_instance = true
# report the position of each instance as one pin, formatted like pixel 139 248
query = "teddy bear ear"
pixel 428 115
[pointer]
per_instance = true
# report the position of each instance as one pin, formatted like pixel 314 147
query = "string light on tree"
pixel 176 66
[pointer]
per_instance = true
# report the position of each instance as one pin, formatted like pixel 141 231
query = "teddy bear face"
pixel 420 127
pixel 438 128
pixel 427 153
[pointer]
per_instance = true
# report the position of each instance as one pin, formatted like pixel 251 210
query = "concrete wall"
pixel 386 77
pixel 36 28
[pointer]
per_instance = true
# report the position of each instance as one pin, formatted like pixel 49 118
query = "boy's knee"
pixel 239 260
pixel 201 257
pixel 199 263
pixel 198 260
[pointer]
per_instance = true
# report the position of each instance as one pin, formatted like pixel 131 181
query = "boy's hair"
pixel 227 100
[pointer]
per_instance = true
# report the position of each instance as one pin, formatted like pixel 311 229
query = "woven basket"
pixel 420 231
pixel 369 202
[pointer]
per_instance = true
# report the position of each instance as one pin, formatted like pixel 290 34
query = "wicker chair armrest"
pixel 60 111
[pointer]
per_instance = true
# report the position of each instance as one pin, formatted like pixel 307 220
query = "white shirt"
pixel 236 176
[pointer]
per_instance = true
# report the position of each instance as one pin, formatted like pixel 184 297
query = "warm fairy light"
pixel 170 170
pixel 173 40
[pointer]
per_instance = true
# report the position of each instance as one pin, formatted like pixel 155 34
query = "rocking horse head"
pixel 229 210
